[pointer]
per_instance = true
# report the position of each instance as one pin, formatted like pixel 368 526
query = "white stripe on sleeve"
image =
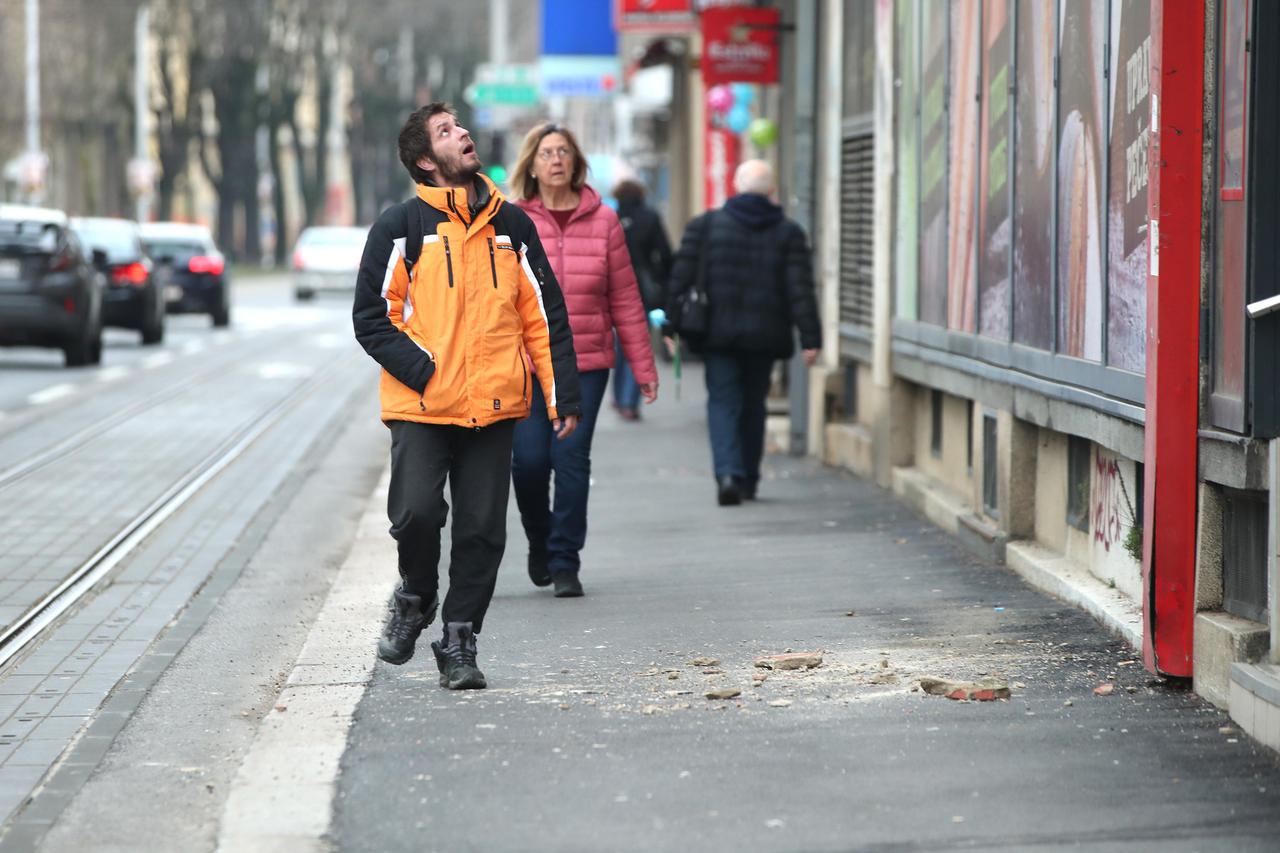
pixel 537 289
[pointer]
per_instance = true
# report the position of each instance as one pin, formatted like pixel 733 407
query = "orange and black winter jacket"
pixel 455 336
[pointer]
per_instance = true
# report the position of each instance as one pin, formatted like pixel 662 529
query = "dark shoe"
pixel 538 571
pixel 456 658
pixel 727 492
pixel 748 490
pixel 408 618
pixel 629 413
pixel 567 585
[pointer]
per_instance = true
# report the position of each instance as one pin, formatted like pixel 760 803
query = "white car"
pixel 326 258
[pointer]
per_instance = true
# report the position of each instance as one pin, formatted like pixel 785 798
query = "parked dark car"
pixel 192 272
pixel 50 293
pixel 132 299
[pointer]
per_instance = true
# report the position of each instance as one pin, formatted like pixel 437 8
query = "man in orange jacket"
pixel 456 301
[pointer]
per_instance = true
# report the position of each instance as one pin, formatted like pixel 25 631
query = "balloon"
pixel 763 132
pixel 739 118
pixel 743 93
pixel 719 99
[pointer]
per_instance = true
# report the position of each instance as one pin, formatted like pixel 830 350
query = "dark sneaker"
pixel 408 618
pixel 456 658
pixel 538 571
pixel 748 490
pixel 567 585
pixel 727 491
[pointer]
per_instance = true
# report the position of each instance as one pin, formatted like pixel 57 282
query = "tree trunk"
pixel 283 237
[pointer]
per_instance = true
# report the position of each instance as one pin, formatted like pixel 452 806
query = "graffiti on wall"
pixel 1109 510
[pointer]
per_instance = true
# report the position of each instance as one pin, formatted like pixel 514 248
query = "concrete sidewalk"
pixel 596 734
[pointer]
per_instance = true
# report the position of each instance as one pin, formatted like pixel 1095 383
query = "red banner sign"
pixel 739 45
pixel 654 15
pixel 720 162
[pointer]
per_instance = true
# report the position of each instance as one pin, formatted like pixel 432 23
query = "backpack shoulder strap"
pixel 413 234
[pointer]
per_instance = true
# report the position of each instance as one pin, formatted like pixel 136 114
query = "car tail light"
pixel 212 264
pixel 134 273
pixel 297 261
pixel 61 261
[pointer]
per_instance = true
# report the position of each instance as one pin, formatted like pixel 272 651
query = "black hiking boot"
pixel 407 619
pixel 567 585
pixel 538 571
pixel 456 658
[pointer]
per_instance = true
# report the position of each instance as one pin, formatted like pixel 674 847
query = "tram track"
pixel 29 627
pixel 75 440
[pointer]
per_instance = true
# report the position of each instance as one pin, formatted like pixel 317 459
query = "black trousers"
pixel 477 465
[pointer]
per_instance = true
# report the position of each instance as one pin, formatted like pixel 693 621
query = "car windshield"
pixel 24 235
pixel 118 239
pixel 351 238
pixel 174 249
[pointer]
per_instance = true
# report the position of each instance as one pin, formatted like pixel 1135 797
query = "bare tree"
pixel 180 63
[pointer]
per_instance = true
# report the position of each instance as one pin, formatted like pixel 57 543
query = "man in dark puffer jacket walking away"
pixel 758 277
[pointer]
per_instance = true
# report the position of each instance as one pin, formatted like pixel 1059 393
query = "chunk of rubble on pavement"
pixel 984 690
pixel 726 693
pixel 790 660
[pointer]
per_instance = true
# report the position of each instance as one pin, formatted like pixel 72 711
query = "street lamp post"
pixel 32 170
pixel 141 173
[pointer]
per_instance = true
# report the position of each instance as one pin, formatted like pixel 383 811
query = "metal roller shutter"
pixel 857 173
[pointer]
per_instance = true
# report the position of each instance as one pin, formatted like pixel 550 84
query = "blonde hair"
pixel 523 183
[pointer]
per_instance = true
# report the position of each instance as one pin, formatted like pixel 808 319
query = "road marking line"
pixel 111 374
pixel 53 392
pixel 277 802
pixel 158 360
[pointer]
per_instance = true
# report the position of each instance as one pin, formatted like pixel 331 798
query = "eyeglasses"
pixel 546 155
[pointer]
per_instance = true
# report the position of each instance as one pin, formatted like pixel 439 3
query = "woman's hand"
pixel 650 391
pixel 565 426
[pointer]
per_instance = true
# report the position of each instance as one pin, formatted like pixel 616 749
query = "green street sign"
pixel 501 95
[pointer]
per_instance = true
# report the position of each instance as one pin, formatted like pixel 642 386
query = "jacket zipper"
pixel 524 383
pixel 448 260
pixel 493 265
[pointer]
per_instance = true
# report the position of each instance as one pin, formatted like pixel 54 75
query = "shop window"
pixel 933 170
pixel 1226 402
pixel 995 224
pixel 1034 160
pixel 1127 184
pixel 907 169
pixel 964 165
pixel 1081 122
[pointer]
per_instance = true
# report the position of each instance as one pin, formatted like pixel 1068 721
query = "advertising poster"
pixel 933 171
pixel 1033 167
pixel 1127 195
pixel 1081 117
pixel 996 226
pixel 966 36
pixel 906 212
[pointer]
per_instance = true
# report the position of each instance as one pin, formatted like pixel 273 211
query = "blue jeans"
pixel 560 530
pixel 626 391
pixel 737 385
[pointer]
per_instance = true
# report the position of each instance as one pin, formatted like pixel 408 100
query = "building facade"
pixel 1038 225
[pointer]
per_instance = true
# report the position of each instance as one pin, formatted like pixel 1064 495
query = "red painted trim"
pixel 1173 334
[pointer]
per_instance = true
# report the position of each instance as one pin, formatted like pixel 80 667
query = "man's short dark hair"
pixel 415 139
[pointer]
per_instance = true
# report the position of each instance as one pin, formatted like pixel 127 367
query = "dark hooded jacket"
pixel 649 248
pixel 758 280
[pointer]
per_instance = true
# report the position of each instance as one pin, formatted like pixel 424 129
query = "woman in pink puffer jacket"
pixel 588 253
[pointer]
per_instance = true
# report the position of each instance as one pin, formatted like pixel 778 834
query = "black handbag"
pixel 691 311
